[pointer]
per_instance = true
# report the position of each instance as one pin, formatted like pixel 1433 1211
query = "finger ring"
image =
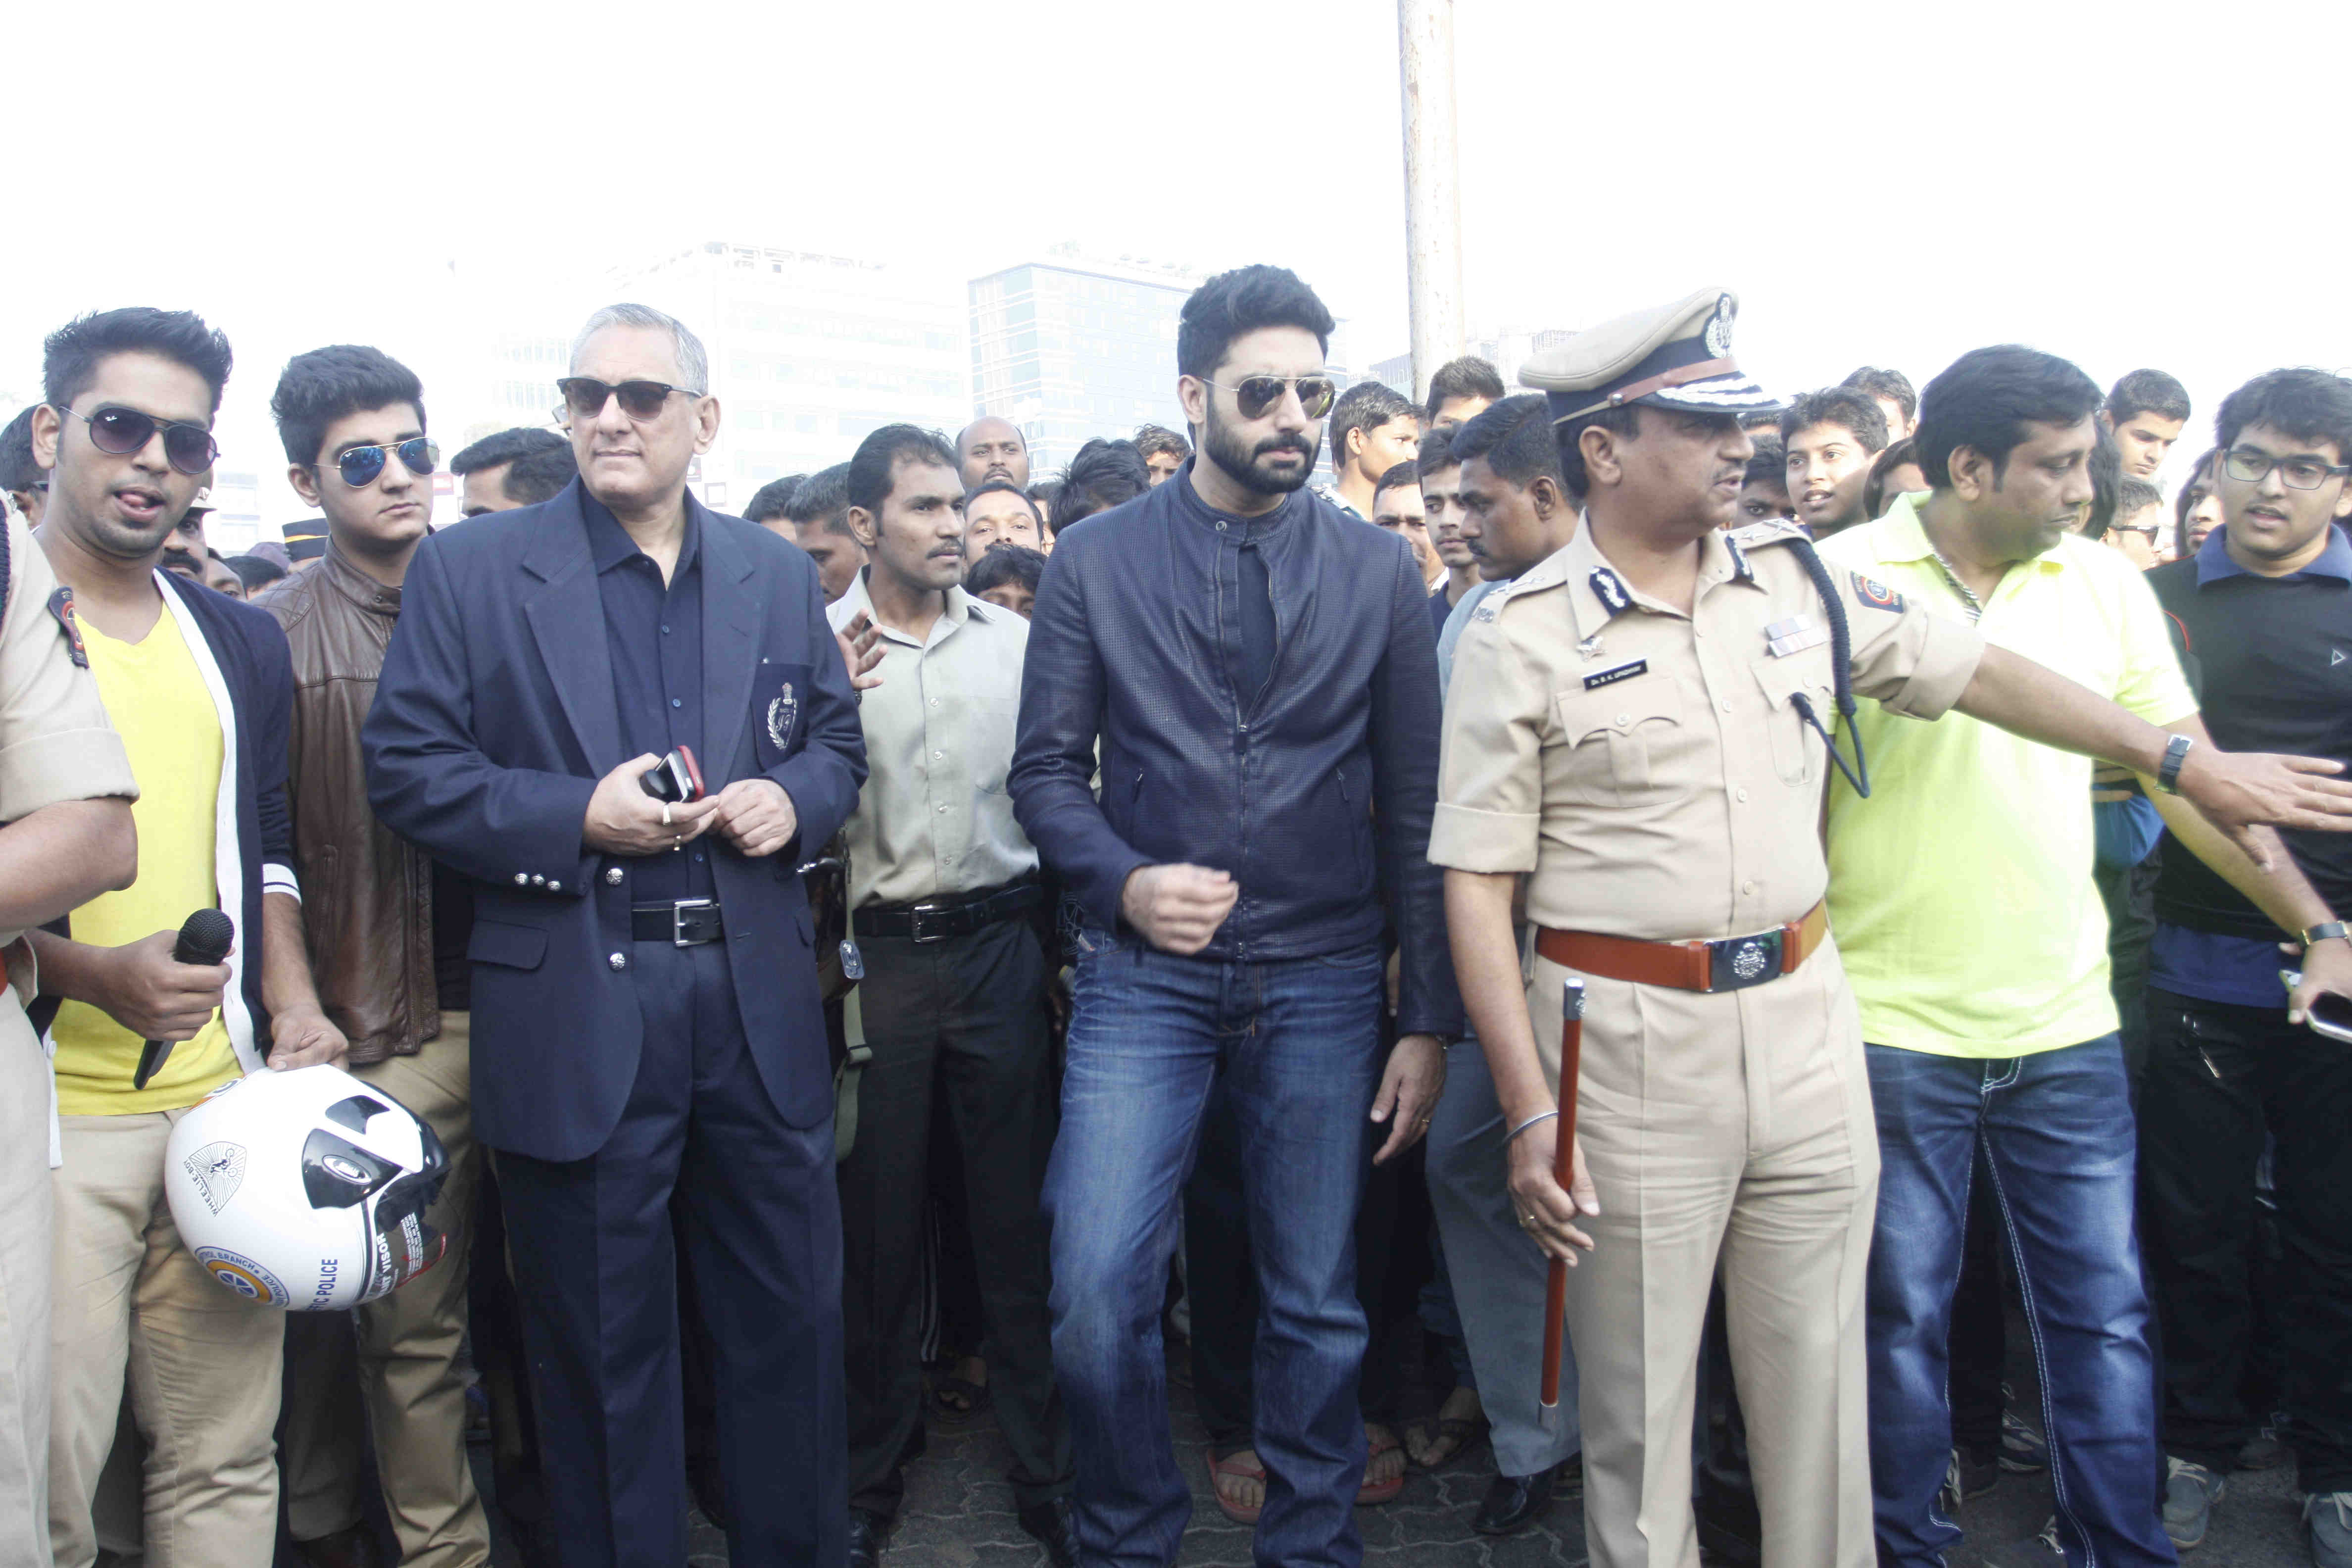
pixel 678 841
pixel 665 814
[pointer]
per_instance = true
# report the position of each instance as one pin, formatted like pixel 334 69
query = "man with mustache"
pixel 993 449
pixel 1264 769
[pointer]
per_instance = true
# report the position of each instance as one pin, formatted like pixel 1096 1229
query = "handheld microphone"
pixel 205 938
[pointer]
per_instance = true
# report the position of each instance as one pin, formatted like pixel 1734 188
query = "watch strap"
pixel 2325 932
pixel 2167 771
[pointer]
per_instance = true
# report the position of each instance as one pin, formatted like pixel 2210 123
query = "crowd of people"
pixel 1216 990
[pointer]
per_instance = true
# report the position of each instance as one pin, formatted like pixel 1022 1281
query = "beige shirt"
pixel 934 818
pixel 1650 769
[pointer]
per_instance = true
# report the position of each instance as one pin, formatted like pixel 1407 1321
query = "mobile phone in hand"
pixel 2328 1014
pixel 677 778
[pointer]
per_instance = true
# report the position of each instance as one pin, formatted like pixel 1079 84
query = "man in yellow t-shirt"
pixel 1962 898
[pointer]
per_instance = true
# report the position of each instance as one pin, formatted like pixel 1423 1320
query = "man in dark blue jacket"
pixel 645 1011
pixel 1259 675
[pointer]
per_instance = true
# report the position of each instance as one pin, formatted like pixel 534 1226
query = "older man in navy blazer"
pixel 646 1013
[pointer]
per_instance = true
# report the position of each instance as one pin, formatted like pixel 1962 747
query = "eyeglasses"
pixel 361 466
pixel 584 397
pixel 119 432
pixel 2251 466
pixel 1257 394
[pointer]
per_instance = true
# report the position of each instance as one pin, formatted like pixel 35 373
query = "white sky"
pixel 1893 186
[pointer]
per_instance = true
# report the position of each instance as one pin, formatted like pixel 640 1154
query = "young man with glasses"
pixel 1265 773
pixel 2262 615
pixel 200 688
pixel 389 958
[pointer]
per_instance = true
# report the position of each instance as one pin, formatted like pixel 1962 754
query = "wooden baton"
pixel 1563 1171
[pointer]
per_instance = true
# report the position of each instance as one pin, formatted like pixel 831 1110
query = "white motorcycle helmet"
pixel 306 1189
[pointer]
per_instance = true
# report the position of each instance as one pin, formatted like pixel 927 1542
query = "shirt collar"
pixel 1240 530
pixel 609 543
pixel 2213 562
pixel 1900 537
pixel 1598 592
pixel 961 607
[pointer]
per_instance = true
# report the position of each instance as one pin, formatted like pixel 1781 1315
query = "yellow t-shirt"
pixel 1960 892
pixel 156 696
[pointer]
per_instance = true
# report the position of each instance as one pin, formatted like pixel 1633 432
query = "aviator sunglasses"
pixel 119 432
pixel 360 466
pixel 1255 394
pixel 584 397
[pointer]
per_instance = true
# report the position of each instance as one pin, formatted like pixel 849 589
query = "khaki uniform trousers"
pixel 1737 1127
pixel 25 1243
pixel 393 1363
pixel 202 1363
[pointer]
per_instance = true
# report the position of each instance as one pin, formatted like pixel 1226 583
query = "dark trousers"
pixel 595 1260
pixel 963 1020
pixel 495 1328
pixel 2220 1077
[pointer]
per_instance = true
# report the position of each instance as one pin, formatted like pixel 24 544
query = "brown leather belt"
pixel 1728 963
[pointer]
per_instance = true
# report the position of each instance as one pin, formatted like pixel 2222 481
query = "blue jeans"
pixel 1298 1043
pixel 2058 1134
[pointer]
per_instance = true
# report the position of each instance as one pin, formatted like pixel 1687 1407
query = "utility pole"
pixel 1433 194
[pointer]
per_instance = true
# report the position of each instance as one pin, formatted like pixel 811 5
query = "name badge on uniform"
pixel 1611 676
pixel 1794 634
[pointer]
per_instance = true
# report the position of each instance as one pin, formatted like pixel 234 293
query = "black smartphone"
pixel 677 778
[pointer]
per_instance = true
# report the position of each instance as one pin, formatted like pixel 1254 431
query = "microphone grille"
pixel 208 930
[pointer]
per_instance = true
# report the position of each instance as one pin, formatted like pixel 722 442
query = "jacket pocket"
pixel 779 698
pixel 512 946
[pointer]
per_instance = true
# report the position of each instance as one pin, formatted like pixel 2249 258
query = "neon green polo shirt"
pixel 1960 892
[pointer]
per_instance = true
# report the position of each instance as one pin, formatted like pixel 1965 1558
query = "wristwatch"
pixel 2167 771
pixel 2327 932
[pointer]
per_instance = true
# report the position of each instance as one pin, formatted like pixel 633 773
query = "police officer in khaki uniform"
pixel 1637 727
pixel 65 794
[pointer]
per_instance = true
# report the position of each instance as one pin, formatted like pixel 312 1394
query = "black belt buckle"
pixel 917 926
pixel 686 932
pixel 1737 962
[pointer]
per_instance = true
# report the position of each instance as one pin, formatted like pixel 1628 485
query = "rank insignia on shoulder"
pixel 61 609
pixel 1764 530
pixel 1616 673
pixel 1876 594
pixel 1610 591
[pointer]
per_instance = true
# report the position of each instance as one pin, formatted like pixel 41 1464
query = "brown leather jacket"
pixel 367 894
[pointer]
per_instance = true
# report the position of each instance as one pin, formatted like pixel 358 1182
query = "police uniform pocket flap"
pixel 1621 708
pixel 516 947
pixel 1626 736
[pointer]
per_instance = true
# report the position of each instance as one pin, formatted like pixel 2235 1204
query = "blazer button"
pixel 522 880
pixel 612 876
pixel 555 886
pixel 538 881
pixel 619 961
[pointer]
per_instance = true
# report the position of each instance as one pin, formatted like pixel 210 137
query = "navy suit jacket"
pixel 493 721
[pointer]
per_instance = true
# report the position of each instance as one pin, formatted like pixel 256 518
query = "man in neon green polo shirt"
pixel 1976 941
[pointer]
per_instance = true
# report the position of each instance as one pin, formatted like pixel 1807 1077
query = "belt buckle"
pixel 678 937
pixel 915 923
pixel 1737 962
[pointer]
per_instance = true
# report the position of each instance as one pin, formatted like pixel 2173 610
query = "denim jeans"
pixel 1297 1046
pixel 2056 1130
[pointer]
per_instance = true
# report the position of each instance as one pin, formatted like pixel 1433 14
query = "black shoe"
pixel 866 1532
pixel 703 1485
pixel 1514 1502
pixel 1054 1524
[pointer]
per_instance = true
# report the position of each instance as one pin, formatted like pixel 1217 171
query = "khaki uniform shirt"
pixel 934 818
pixel 1650 769
pixel 56 742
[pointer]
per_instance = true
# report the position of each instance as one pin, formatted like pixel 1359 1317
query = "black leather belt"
pixel 689 922
pixel 935 920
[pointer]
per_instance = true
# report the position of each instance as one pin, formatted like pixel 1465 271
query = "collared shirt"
pixel 1961 890
pixel 655 634
pixel 1650 769
pixel 1457 621
pixel 934 818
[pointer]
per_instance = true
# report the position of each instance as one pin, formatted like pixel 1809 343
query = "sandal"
pixel 958 1397
pixel 1458 1434
pixel 1372 1491
pixel 1232 1464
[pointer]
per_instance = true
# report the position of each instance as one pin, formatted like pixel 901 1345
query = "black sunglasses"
pixel 1257 394
pixel 119 432
pixel 361 466
pixel 584 397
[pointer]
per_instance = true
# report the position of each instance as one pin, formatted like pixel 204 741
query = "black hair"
pixel 1104 474
pixel 1515 437
pixel 318 388
pixel 1436 451
pixel 1468 377
pixel 1151 439
pixel 988 486
pixel 2147 391
pixel 1001 563
pixel 2133 497
pixel 70 355
pixel 1367 405
pixel 253 572
pixel 770 499
pixel 2194 488
pixel 822 497
pixel 1877 380
pixel 1839 405
pixel 2313 405
pixel 1985 399
pixel 874 467
pixel 539 475
pixel 1624 422
pixel 1874 497
pixel 1771 464
pixel 17 469
pixel 505 446
pixel 1240 301
pixel 2107 465
pixel 1396 476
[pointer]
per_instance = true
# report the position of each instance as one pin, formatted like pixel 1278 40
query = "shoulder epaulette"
pixel 1766 531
